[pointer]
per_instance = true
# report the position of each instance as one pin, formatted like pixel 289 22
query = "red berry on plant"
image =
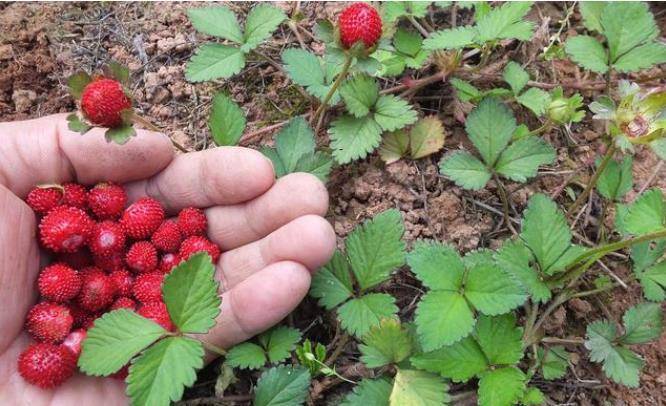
pixel 142 257
pixel 167 237
pixel 74 340
pixel 49 322
pixel 97 291
pixel 168 262
pixel 148 287
pixel 142 218
pixel 195 244
pixel 359 22
pixel 46 365
pixel 107 238
pixel 107 200
pixel 65 229
pixel 123 281
pixel 192 221
pixel 102 102
pixel 123 303
pixel 75 195
pixel 44 199
pixel 59 283
pixel 157 312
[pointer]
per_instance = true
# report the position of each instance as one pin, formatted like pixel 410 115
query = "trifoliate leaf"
pixel 617 179
pixel 426 137
pixel 500 339
pixel 641 57
pixel 504 22
pixel 358 315
pixel 465 170
pixel 282 386
pixel 521 160
pixel 554 362
pixel 653 282
pixel 418 388
pixel 536 100
pixel 218 21
pixel 304 68
pixel 620 364
pixel 393 113
pixel 501 387
pixel 388 343
pixel 160 374
pixel 246 355
pixel 226 121
pixel 514 258
pixel 293 141
pixel 394 146
pixel 454 38
pixel 353 138
pixel 587 52
pixel 261 21
pixel 115 338
pixel 332 284
pixel 591 13
pixel 376 249
pixel 192 295
pixel 645 254
pixel 442 318
pixel 491 291
pixel 77 82
pixel 120 135
pixel 369 392
pixel 647 214
pixel 490 127
pixel 459 361
pixel 279 342
pixel 393 10
pixel 436 265
pixel 642 323
pixel 627 25
pixel 533 396
pixel 515 76
pixel 214 61
pixel 359 93
pixel 318 164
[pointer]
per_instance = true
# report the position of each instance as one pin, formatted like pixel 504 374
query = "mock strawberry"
pixel 123 281
pixel 75 195
pixel 97 292
pixel 359 22
pixel 107 200
pixel 148 287
pixel 43 199
pixel 168 262
pixel 82 318
pixel 74 340
pixel 77 260
pixel 65 229
pixel 195 244
pixel 59 283
pixel 49 322
pixel 157 312
pixel 106 239
pixel 102 102
pixel 142 257
pixel 142 218
pixel 46 365
pixel 123 303
pixel 192 221
pixel 111 262
pixel 167 237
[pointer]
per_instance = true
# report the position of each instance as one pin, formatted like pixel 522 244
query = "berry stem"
pixel 593 181
pixel 316 118
pixel 144 122
pixel 213 348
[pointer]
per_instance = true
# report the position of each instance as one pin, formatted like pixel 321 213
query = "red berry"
pixel 107 238
pixel 90 270
pixel 44 199
pixel 196 244
pixel 74 340
pixel 142 257
pixel 168 262
pixel 77 260
pixel 148 287
pixel 49 322
pixel 65 229
pixel 103 100
pixel 167 237
pixel 359 22
pixel 111 262
pixel 123 303
pixel 81 317
pixel 46 365
pixel 123 281
pixel 97 291
pixel 75 195
pixel 121 374
pixel 59 283
pixel 157 312
pixel 142 218
pixel 107 200
pixel 192 221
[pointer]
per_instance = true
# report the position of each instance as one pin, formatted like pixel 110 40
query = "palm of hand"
pixel 271 233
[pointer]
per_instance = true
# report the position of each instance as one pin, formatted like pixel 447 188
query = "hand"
pixel 271 232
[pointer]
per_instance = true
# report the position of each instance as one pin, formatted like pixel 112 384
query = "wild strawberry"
pixel 97 292
pixel 76 260
pixel 107 238
pixel 74 340
pixel 121 374
pixel 142 257
pixel 65 229
pixel 111 262
pixel 90 270
pixel 82 318
pixel 59 283
pixel 192 221
pixel 157 312
pixel 142 218
pixel 49 322
pixel 123 281
pixel 107 200
pixel 168 262
pixel 103 100
pixel 359 22
pixel 43 199
pixel 196 244
pixel 46 365
pixel 167 237
pixel 148 287
pixel 75 196
pixel 123 303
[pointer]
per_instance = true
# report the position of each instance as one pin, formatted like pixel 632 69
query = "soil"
pixel 42 44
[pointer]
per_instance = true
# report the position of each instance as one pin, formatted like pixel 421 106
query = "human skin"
pixel 272 233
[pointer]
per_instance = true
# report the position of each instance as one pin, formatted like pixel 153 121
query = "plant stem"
pixel 556 340
pixel 418 26
pixel 505 204
pixel 338 81
pixel 144 122
pixel 593 181
pixel 213 348
pixel 595 291
pixel 541 129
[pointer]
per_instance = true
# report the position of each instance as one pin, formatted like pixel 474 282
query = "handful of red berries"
pixel 105 257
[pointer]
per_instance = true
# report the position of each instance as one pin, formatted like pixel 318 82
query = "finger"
pixel 44 150
pixel 308 240
pixel 259 302
pixel 292 196
pixel 218 176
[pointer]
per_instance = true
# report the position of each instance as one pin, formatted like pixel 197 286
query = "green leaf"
pixel 407 42
pixel 77 82
pixel 521 160
pixel 504 22
pixel 74 123
pixel 515 76
pixel 261 21
pixel 376 249
pixel 293 141
pixel 214 61
pixel 393 113
pixel 514 258
pixel 226 121
pixel 645 254
pixel 192 295
pixel 393 10
pixel 627 25
pixel 501 387
pixel 358 315
pixel 641 57
pixel 465 91
pixel 318 164
pixel 587 52
pixel 653 282
pixel 115 338
pixel 460 361
pixel 278 165
pixel 418 388
pixel 536 100
pixel 642 323
pixel 453 38
pixel 282 386
pixel 500 339
pixel 591 12
pixel 279 342
pixel 554 362
pixel 533 396
pixel 659 148
pixel 118 72
pixel 353 138
pixel 436 265
pixel 359 93
pixel 491 291
pixel 442 318
pixel 465 170
pixel 616 180
pixel 647 214
pixel 369 392
pixel 332 284
pixel 619 364
pixel 246 356
pixel 388 343
pixel 161 373
pixel 305 69
pixel 218 21
pixel 426 137
pixel 394 146
pixel 324 31
pixel 490 127
pixel 120 135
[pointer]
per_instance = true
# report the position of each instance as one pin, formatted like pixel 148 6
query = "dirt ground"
pixel 42 44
